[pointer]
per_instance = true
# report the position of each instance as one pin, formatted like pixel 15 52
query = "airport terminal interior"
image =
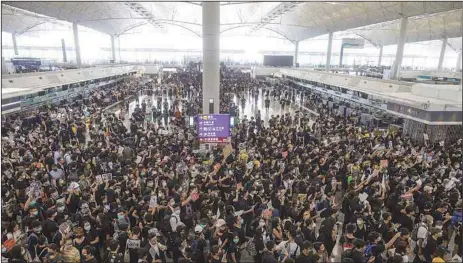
pixel 234 132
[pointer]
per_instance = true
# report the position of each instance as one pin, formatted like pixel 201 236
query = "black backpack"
pixel 115 258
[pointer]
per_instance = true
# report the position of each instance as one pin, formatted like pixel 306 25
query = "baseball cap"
pixel 220 223
pixel 198 229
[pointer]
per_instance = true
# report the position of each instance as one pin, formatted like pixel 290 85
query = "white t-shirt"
pixel 425 137
pixel 422 234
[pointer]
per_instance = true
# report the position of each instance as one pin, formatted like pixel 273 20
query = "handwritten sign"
pixel 35 190
pixel 9 244
pixel 384 163
pixel 107 177
pixel 153 201
pixel 250 165
pixel 133 244
pixel 65 227
pixel 227 150
pixel 267 213
pixel 194 196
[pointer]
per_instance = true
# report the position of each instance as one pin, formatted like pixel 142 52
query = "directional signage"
pixel 213 128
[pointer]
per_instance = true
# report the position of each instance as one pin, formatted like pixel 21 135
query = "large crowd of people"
pixel 80 184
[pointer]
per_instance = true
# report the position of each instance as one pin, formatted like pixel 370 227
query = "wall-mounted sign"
pixel 353 42
pixel 213 128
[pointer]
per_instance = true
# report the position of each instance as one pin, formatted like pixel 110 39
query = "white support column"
pixel 119 48
pixel 63 47
pixel 296 53
pixel 113 50
pixel 15 45
pixel 211 55
pixel 400 49
pixel 77 44
pixel 442 54
pixel 328 52
pixel 458 66
pixel 380 56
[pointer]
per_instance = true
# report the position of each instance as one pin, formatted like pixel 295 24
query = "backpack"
pixel 166 223
pixel 368 253
pixel 299 239
pixel 115 258
pixel 346 254
pixel 251 247
pixel 28 242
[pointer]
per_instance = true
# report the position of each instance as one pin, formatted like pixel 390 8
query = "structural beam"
pixel 442 54
pixel 273 14
pixel 458 66
pixel 15 45
pixel 296 53
pixel 211 56
pixel 400 49
pixel 113 50
pixel 63 47
pixel 328 52
pixel 380 56
pixel 77 44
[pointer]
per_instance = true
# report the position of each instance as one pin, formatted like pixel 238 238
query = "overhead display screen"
pixel 278 61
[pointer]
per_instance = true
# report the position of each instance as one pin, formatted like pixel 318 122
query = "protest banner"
pixel 133 244
pixel 194 195
pixel 153 201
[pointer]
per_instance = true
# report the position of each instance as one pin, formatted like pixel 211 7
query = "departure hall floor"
pixel 250 110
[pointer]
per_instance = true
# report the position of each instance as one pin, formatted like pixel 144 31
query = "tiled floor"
pixel 250 110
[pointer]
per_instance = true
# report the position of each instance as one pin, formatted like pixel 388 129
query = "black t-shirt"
pixel 430 248
pixel 406 222
pixel 213 260
pixel 73 203
pixel 303 259
pixel 268 257
pixel 91 235
pixel 357 256
pixel 93 260
pixel 49 228
pixel 309 234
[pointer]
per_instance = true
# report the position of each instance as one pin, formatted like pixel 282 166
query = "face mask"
pixel 33 203
pixel 150 184
pixel 242 221
pixel 87 227
pixel 120 216
pixel 261 224
pixel 36 213
pixel 359 222
pixel 177 212
pixel 38 230
pixel 60 209
pixel 236 240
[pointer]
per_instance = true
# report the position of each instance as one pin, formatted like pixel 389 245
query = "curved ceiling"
pixel 18 21
pixel 423 28
pixel 294 21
